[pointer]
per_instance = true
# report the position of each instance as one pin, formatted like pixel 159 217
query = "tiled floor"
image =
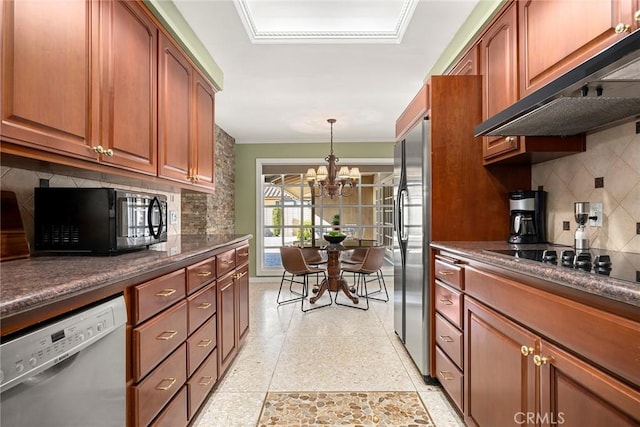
pixel 333 349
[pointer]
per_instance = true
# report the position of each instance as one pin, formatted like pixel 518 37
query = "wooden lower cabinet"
pixel 575 393
pixel 152 394
pixel 515 375
pixel 185 329
pixel 227 322
pixel 175 413
pixel 202 382
pixel 242 283
pixel 500 380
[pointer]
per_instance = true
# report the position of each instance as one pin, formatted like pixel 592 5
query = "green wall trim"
pixel 174 22
pixel 481 14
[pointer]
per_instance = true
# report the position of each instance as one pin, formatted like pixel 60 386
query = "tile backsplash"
pixel 22 182
pixel 608 172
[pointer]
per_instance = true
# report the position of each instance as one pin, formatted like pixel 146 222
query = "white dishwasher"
pixel 68 372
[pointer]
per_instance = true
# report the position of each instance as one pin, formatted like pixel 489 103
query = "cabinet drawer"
pixel 449 303
pixel 200 344
pixel 201 383
pixel 200 274
pixel 450 377
pixel 449 339
pixel 151 297
pixel 202 306
pixel 150 396
pixel 155 339
pixel 175 413
pixel 450 274
pixel 225 262
pixel 242 255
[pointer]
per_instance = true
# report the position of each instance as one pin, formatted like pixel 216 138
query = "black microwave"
pixel 97 220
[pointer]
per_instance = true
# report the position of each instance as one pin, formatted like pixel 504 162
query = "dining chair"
pixel 372 263
pixel 355 256
pixel 313 257
pixel 295 265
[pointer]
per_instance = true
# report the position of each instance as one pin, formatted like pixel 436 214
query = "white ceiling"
pixel 290 65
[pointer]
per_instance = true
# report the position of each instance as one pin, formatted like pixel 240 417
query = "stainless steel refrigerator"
pixel 412 186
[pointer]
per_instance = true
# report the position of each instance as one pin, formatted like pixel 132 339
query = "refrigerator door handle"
pixel 402 230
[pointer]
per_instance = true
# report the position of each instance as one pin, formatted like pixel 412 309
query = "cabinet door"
pixel 575 393
pixel 130 107
pixel 227 326
pixel 499 377
pixel 468 64
pixel 204 132
pixel 586 28
pixel 242 285
pixel 174 106
pixel 499 65
pixel 48 92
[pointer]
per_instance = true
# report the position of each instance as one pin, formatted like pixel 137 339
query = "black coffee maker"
pixel 528 211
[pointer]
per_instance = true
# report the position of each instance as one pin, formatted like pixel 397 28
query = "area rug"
pixel 391 408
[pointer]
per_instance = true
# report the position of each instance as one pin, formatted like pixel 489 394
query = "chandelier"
pixel 327 181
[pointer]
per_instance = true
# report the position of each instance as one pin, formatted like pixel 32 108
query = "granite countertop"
pixel 620 290
pixel 39 280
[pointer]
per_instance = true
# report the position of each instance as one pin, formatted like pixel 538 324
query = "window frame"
pixel 261 269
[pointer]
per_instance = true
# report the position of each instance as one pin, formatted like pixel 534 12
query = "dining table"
pixel 334 282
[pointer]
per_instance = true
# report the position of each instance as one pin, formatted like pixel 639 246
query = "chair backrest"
pixel 373 259
pixel 312 256
pixel 358 254
pixel 293 260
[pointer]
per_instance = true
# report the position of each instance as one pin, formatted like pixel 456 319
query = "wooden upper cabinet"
pixel 174 112
pixel 130 105
pixel 48 98
pixel 186 135
pixel 557 35
pixel 499 68
pixel 204 132
pixel 468 64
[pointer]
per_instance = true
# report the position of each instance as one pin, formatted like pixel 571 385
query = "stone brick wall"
pixel 213 213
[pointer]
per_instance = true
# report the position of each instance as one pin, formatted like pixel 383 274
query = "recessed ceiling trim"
pixel 326 36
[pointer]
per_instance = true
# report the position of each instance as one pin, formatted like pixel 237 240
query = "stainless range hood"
pixel 601 91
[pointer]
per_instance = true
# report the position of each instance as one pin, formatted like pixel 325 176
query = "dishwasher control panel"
pixel 27 355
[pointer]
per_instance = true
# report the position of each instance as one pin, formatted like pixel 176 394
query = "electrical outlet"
pixel 595 210
pixel 173 217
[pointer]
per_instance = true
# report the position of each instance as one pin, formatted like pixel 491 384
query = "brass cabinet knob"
pixel 636 15
pixel 622 28
pixel 541 360
pixel 526 351
pixel 101 150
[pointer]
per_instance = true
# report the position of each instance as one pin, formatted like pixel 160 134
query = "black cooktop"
pixel 618 265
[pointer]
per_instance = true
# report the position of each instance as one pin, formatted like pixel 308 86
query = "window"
pixel 291 213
